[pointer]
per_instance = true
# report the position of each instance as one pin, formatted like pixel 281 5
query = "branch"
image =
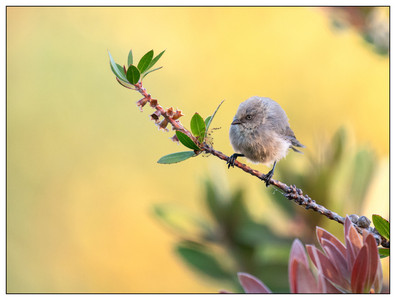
pixel 290 192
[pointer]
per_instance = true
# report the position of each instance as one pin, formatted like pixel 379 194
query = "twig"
pixel 290 192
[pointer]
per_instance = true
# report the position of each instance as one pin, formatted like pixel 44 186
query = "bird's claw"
pixel 267 177
pixel 231 160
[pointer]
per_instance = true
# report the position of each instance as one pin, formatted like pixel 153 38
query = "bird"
pixel 260 131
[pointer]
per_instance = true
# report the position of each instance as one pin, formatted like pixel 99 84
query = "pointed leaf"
pixel 302 278
pixel 133 74
pixel 124 84
pixel 116 68
pixel 202 260
pixel 330 271
pixel 207 120
pixel 130 58
pixel 211 118
pixel 324 234
pixel 335 256
pixel 297 257
pixel 175 157
pixel 145 61
pixel 153 62
pixel 378 279
pixel 146 73
pixel 360 271
pixel 353 242
pixel 252 285
pixel 382 225
pixel 372 262
pixel 297 252
pixel 198 126
pixel 186 141
pixel 325 286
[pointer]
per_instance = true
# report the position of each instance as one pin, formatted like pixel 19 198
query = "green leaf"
pixel 364 166
pixel 183 221
pixel 209 121
pixel 145 73
pixel 202 260
pixel 198 126
pixel 383 252
pixel 133 74
pixel 382 225
pixel 124 84
pixel 153 62
pixel 215 203
pixel 121 70
pixel 186 141
pixel 117 69
pixel 145 61
pixel 130 58
pixel 175 157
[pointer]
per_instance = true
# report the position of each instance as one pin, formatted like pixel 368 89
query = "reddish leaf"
pixel 252 285
pixel 360 271
pixel 378 279
pixel 373 260
pixel 336 257
pixel 297 253
pixel 353 242
pixel 325 286
pixel 329 270
pixel 324 234
pixel 301 279
pixel 376 267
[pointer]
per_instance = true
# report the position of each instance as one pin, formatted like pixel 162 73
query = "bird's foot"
pixel 267 177
pixel 231 160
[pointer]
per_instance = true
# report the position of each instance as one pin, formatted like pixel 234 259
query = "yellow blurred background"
pixel 81 159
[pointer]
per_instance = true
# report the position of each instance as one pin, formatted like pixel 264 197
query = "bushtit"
pixel 260 131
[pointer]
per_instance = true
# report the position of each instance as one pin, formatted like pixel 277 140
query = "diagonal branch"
pixel 291 192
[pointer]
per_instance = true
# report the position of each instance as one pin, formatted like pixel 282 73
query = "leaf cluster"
pixel 227 239
pixel 130 74
pixel 199 128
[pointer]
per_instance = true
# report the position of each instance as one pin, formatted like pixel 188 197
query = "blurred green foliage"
pixel 372 23
pixel 232 240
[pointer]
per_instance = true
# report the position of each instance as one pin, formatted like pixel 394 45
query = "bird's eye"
pixel 249 117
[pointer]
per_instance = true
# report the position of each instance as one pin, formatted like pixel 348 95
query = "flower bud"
pixel 177 115
pixel 353 218
pixel 155 116
pixel 142 102
pixel 153 102
pixel 363 222
pixel 163 125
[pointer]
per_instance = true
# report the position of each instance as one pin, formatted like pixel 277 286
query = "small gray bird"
pixel 260 131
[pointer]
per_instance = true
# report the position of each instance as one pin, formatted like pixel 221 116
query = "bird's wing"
pixel 290 135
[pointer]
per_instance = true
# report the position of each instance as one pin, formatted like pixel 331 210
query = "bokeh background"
pixel 82 177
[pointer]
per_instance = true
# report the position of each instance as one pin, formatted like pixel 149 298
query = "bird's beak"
pixel 236 122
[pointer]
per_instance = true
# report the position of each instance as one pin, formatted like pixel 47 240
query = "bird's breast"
pixel 259 146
